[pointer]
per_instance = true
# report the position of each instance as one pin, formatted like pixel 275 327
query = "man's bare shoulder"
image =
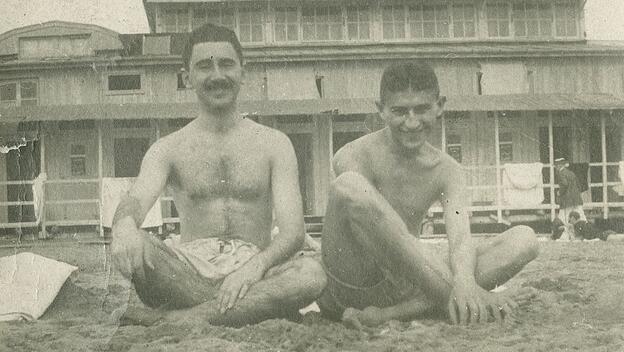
pixel 355 155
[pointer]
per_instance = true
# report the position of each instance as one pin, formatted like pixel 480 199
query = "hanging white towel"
pixel 522 185
pixel 113 190
pixel 28 285
pixel 37 191
pixel 619 189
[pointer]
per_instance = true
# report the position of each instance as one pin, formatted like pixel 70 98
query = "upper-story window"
pixel 566 18
pixel 498 19
pixel 358 23
pixel 54 46
pixel 321 23
pixel 532 19
pixel 286 24
pixel 223 16
pixel 251 25
pixel 174 20
pixel 393 21
pixel 464 19
pixel 18 93
pixel 429 21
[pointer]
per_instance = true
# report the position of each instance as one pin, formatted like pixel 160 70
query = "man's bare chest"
pixel 218 173
pixel 410 192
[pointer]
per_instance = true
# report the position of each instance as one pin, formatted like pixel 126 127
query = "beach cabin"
pixel 80 104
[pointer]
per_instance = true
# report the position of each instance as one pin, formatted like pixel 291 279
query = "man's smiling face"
pixel 216 73
pixel 410 116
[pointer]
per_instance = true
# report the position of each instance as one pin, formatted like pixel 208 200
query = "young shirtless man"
pixel 228 174
pixel 386 181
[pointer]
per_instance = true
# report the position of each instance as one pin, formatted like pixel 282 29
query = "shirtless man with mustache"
pixel 229 175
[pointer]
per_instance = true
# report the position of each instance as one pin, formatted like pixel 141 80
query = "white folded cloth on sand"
pixel 28 285
pixel 115 188
pixel 522 184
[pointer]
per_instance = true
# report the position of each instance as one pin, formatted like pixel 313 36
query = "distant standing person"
pixel 569 191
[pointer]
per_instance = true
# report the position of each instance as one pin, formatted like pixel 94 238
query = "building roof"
pixel 305 107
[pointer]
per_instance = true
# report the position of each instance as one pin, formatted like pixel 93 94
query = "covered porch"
pixel 75 149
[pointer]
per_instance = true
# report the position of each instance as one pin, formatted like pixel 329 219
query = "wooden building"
pixel 82 103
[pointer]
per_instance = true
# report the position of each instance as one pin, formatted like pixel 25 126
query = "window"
pixel 505 147
pixel 181 84
pixel 18 93
pixel 124 82
pixel 78 159
pixel 286 24
pixel 498 19
pixel 463 21
pixel 565 19
pixel 358 23
pixel 223 16
pixel 429 21
pixel 54 46
pixel 251 25
pixel 393 22
pixel 321 23
pixel 532 19
pixel 174 20
pixel 453 147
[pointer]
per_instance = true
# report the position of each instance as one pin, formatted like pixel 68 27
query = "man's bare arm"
pixel 287 205
pixel 131 211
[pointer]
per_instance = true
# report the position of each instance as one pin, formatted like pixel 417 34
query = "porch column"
pixel 322 144
pixel 499 195
pixel 100 174
pixel 42 167
pixel 443 134
pixel 603 144
pixel 551 160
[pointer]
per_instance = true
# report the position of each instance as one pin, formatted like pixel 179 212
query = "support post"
pixel 603 144
pixel 499 194
pixel 443 133
pixel 551 160
pixel 100 174
pixel 42 167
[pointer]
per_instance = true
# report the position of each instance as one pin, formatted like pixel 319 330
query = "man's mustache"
pixel 218 84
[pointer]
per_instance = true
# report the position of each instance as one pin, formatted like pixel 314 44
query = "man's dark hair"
pixel 210 33
pixel 574 214
pixel 400 77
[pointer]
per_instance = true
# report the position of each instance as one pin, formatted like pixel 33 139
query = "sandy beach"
pixel 579 307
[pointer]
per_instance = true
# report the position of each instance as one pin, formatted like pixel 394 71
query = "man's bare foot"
pixel 360 319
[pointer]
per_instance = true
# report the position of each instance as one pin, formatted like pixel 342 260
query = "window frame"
pixel 160 15
pixel 358 9
pixel 504 142
pixel 18 92
pixel 107 76
pixel 77 157
pixel 317 21
pixel 530 22
pixel 286 24
pixel 577 25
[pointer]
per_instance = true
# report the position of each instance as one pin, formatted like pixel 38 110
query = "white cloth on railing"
pixel 28 285
pixel 620 188
pixel 113 190
pixel 522 184
pixel 37 191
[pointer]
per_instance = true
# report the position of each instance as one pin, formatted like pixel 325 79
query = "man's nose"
pixel 413 120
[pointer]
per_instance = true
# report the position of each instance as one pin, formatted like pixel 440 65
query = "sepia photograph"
pixel 311 175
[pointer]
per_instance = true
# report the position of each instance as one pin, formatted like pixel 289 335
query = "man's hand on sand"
pixel 236 285
pixel 127 250
pixel 470 303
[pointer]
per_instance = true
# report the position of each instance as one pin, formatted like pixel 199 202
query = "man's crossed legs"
pixel 180 293
pixel 378 271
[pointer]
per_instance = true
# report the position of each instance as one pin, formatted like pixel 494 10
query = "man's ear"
pixel 186 78
pixel 379 106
